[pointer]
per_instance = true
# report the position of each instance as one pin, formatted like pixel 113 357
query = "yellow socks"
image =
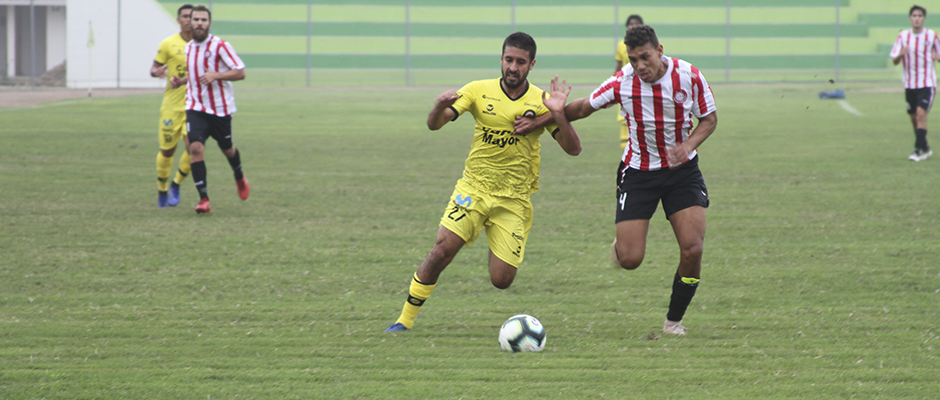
pixel 164 164
pixel 417 294
pixel 184 168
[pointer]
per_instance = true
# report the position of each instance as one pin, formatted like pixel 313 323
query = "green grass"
pixel 819 276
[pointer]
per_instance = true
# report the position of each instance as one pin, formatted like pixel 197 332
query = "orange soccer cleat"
pixel 243 188
pixel 203 207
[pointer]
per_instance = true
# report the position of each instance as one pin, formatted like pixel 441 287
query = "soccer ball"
pixel 522 333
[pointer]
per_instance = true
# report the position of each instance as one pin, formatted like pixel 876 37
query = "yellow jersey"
pixel 500 163
pixel 622 53
pixel 171 53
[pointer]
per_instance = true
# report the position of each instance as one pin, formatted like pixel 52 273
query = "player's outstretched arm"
pixel 567 136
pixel 441 114
pixel 680 153
pixel 578 109
pixel 525 125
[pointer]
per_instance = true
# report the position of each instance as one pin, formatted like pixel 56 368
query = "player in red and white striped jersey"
pixel 207 93
pixel 659 97
pixel 918 49
pixel 212 65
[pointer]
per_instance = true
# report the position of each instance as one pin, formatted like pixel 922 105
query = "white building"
pixel 126 36
pixel 16 36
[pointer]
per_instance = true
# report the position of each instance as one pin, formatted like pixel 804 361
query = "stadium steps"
pixel 450 35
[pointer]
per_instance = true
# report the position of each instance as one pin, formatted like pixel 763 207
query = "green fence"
pixel 423 42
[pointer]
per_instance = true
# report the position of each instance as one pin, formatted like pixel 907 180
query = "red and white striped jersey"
pixel 918 64
pixel 659 114
pixel 212 55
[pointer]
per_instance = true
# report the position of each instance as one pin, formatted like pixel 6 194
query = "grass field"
pixel 820 274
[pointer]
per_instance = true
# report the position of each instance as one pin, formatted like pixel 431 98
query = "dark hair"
pixel 521 40
pixel 636 17
pixel 917 7
pixel 183 7
pixel 203 8
pixel 639 36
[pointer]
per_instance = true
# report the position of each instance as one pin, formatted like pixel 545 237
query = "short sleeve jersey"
pixel 918 65
pixel 172 53
pixel 659 114
pixel 500 163
pixel 211 55
pixel 622 53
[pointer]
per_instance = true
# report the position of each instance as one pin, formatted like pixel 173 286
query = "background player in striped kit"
pixel 212 65
pixel 918 48
pixel 171 56
pixel 659 96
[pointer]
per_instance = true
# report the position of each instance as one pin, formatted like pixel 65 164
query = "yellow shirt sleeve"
pixel 622 53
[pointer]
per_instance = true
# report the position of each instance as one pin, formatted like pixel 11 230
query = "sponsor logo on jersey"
pixel 504 138
pixel 463 201
pixel 168 122
pixel 491 98
pixel 489 110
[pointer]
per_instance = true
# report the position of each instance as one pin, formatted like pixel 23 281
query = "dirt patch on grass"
pixel 24 97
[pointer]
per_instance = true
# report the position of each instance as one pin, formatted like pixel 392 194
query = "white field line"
pixel 848 108
pixel 46 105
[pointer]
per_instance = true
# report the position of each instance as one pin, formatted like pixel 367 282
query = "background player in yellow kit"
pixel 621 60
pixel 171 61
pixel 500 173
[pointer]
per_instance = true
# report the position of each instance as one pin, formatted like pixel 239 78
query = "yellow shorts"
pixel 507 221
pixel 172 128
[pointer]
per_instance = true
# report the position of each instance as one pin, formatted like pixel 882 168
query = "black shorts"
pixel 201 126
pixel 921 97
pixel 639 192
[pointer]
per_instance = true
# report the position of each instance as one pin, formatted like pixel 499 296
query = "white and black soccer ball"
pixel 522 333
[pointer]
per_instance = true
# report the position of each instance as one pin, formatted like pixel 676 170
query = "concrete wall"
pixel 51 40
pixel 55 36
pixel 143 25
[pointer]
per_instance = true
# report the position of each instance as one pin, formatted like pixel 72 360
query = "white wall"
pixel 11 41
pixel 143 23
pixel 55 36
pixel 55 31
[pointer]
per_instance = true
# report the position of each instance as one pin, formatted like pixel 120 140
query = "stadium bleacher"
pixel 768 41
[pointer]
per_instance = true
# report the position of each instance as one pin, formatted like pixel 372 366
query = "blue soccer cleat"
pixel 161 199
pixel 174 196
pixel 397 327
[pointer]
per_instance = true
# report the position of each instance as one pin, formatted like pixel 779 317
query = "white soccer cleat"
pixel 920 155
pixel 674 328
pixel 925 154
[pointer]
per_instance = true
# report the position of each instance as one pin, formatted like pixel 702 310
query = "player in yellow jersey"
pixel 622 59
pixel 500 173
pixel 169 62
